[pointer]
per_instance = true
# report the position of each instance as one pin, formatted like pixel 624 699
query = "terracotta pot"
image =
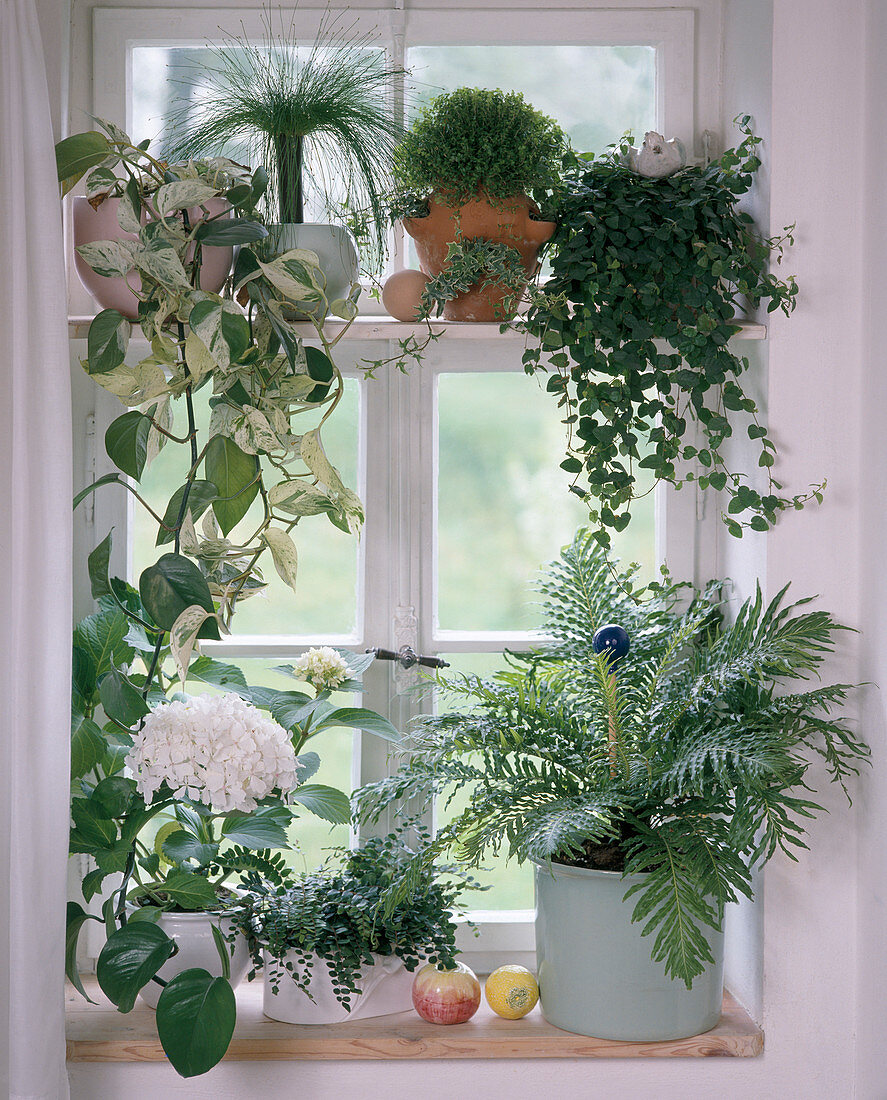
pixel 102 225
pixel 508 223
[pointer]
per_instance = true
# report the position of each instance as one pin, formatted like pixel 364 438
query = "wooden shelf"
pixel 386 328
pixel 98 1033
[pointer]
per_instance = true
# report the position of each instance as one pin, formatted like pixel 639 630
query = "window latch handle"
pixel 407 657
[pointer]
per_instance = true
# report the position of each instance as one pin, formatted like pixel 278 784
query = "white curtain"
pixel 35 574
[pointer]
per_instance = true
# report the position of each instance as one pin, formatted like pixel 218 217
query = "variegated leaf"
pixel 160 262
pixel 162 415
pixel 183 194
pixel 284 553
pixel 100 180
pixel 257 433
pixel 296 278
pixel 299 499
pixel 344 308
pixel 112 259
pixel 183 636
pixel 200 362
pixel 127 216
pixel 135 385
pixel 314 457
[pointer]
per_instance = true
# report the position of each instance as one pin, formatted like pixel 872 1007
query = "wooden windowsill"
pixel 98 1033
pixel 387 328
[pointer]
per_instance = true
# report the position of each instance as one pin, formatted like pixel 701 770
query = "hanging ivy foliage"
pixel 636 260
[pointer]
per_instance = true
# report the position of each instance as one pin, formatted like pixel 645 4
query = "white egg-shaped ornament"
pixel 657 157
pixel 402 294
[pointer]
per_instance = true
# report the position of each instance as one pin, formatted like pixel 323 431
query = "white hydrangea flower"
pixel 322 667
pixel 214 749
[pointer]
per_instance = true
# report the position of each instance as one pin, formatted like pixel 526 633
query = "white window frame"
pixel 392 575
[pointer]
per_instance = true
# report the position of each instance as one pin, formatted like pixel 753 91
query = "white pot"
pixel 336 252
pixel 596 976
pixel 197 948
pixel 386 988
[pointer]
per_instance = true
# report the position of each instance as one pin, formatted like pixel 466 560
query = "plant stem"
pixel 288 151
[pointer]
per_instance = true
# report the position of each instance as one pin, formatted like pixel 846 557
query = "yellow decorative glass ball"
pixel 511 991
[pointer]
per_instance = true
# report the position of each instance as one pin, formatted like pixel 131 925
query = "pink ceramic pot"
pixel 102 225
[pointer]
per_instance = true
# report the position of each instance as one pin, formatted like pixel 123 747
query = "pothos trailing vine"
pixel 262 376
pixel 635 260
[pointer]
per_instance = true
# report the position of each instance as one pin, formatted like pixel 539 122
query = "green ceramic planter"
pixel 596 976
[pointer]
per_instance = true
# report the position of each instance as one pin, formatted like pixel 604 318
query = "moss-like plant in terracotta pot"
pixel 481 164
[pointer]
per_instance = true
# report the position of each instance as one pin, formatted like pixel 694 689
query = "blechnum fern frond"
pixel 691 758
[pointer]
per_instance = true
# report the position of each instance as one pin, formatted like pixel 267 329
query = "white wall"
pixel 872 959
pixel 825 387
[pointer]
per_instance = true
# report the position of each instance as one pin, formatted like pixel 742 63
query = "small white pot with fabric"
pixel 197 948
pixel 385 988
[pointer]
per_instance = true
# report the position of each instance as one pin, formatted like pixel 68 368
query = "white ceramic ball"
pixel 402 293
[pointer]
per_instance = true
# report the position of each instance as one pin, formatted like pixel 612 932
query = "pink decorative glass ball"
pixel 446 996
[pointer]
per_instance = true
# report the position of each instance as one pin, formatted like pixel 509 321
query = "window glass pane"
pixel 504 506
pixel 596 93
pixel 510 884
pixel 326 600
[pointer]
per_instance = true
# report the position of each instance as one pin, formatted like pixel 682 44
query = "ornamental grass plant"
pixel 318 115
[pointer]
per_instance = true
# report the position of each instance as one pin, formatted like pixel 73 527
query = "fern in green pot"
pixel 663 779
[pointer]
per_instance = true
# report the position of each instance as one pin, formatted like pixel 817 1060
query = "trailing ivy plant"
pixel 336 915
pixel 476 263
pixel 635 260
pixel 689 765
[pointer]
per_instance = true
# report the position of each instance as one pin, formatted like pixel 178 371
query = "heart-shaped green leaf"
pixel 129 960
pixel 121 700
pixel 172 584
pixel 107 341
pixel 75 155
pixel 230 231
pixel 77 917
pixel 200 496
pixel 196 1014
pixel 126 442
pixel 235 475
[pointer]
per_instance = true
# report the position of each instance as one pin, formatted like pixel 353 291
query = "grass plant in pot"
pixel 319 117
pixel 477 165
pixel 330 952
pixel 661 785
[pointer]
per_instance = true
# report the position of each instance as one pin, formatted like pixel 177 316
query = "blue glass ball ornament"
pixel 612 640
